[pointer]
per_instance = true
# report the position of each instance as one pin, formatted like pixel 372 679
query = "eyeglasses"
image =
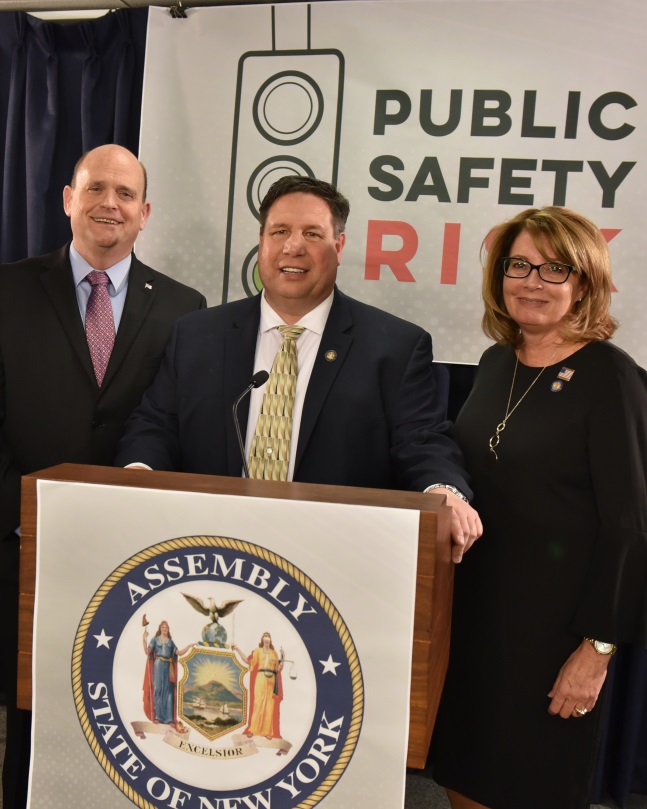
pixel 553 272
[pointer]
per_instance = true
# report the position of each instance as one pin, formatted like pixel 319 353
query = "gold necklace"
pixel 494 440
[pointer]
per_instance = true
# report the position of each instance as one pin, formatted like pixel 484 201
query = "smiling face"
pixel 539 307
pixel 298 254
pixel 106 206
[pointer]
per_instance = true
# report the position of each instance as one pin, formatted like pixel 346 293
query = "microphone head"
pixel 260 378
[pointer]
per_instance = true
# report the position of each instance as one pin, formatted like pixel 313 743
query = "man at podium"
pixel 350 399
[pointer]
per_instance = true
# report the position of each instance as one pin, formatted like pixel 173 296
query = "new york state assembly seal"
pixel 211 673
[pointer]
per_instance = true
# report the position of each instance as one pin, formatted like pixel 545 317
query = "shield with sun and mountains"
pixel 211 696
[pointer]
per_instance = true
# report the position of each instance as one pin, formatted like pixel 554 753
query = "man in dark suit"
pixel 366 411
pixel 53 407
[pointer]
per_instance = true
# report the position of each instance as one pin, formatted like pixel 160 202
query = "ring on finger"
pixel 580 711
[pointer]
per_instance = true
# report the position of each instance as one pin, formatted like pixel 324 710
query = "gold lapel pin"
pixel 330 356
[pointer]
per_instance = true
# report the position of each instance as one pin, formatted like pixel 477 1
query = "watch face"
pixel 603 648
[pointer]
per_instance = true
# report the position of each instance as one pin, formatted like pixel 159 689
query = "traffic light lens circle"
pixel 268 172
pixel 288 107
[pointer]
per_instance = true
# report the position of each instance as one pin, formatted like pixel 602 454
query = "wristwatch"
pixel 602 648
pixel 452 489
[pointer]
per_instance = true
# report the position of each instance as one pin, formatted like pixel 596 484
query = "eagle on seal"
pixel 213 633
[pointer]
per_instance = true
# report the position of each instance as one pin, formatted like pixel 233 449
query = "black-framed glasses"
pixel 553 272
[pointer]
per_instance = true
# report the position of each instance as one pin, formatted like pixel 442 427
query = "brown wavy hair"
pixel 558 233
pixel 334 199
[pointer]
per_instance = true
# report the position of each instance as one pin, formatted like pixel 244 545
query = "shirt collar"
pixel 314 321
pixel 118 273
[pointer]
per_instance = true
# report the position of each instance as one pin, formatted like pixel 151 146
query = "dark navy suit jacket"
pixel 371 415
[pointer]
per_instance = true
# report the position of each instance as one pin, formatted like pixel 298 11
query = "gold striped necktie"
pixel 270 454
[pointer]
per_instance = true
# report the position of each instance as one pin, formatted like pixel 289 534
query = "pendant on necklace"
pixel 494 441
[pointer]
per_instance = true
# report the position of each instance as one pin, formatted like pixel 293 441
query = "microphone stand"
pixel 259 378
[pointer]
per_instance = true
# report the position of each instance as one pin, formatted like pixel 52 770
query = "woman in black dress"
pixel 555 437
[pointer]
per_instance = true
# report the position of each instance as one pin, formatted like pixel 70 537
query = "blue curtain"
pixel 64 88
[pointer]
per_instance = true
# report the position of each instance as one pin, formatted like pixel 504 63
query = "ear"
pixel 68 192
pixel 146 212
pixel 340 241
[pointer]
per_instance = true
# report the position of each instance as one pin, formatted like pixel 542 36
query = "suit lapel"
pixel 337 338
pixel 240 348
pixel 58 283
pixel 139 299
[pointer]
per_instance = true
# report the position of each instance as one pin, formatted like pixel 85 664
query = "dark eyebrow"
pixel 269 225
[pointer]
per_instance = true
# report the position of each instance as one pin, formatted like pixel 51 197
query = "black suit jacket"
pixel 51 409
pixel 371 414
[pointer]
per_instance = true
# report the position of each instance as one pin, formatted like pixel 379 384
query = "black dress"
pixel 563 556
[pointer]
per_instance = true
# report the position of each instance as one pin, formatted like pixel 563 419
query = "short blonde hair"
pixel 569 237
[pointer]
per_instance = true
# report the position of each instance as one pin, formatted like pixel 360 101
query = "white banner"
pixel 437 119
pixel 201 651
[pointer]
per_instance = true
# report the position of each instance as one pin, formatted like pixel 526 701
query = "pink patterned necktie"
pixel 99 323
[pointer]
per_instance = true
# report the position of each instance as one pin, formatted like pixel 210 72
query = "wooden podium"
pixel 434 582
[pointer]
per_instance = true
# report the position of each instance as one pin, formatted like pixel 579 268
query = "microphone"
pixel 259 378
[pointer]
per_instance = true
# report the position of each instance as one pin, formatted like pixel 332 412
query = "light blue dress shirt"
pixel 117 287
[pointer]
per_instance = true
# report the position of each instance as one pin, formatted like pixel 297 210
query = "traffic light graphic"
pixel 287 120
